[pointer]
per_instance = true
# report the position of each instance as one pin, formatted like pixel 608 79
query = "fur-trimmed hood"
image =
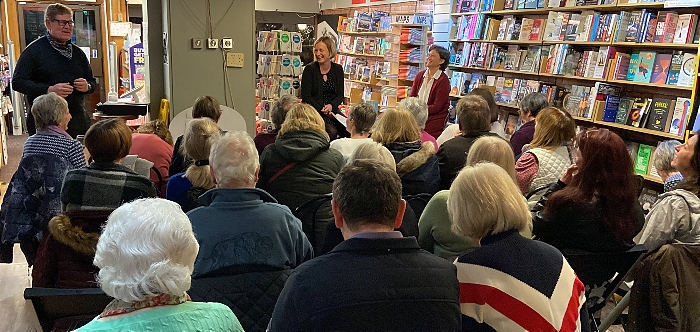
pixel 82 233
pixel 411 156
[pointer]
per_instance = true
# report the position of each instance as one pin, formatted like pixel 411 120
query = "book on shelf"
pixel 491 80
pixel 645 66
pixel 674 68
pixel 660 111
pixel 681 111
pixel 623 110
pixel 507 92
pixel 600 92
pixel 536 31
pixel 633 67
pixel 685 27
pixel 641 163
pixel 511 124
pixel 503 27
pixel 670 23
pixel 498 91
pixel 509 4
pixel 571 31
pixel 634 26
pixel 532 60
pixel 610 108
pixel 659 73
pixel 622 64
pixel 632 149
pixel 638 112
pixel 686 77
pixel 552 26
pixel 525 29
pixel 623 24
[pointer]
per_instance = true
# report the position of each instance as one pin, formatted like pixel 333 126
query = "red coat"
pixel 157 151
pixel 438 102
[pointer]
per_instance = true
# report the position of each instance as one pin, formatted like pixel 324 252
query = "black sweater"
pixel 312 85
pixel 41 66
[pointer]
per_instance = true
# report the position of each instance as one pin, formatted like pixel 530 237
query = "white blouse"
pixel 424 91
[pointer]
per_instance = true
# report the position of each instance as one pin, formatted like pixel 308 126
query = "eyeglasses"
pixel 64 22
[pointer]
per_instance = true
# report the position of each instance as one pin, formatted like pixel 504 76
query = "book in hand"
pixel 648 198
pixel 659 113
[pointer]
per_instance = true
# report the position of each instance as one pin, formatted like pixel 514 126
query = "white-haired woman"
pixel 419 109
pixel 508 283
pixel 663 161
pixel 146 255
pixel 186 187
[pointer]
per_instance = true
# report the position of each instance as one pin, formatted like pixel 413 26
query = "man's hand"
pixel 327 109
pixel 81 85
pixel 62 89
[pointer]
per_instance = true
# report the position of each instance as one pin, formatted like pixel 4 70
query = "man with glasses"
pixel 53 64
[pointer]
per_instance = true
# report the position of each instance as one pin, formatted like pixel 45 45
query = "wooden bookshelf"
pixel 689 47
pixel 652 178
pixel 628 128
pixel 654 85
pixel 497 70
pixel 364 33
pixel 363 55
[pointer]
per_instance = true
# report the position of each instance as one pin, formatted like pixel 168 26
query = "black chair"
pixel 598 268
pixel 418 202
pixel 66 309
pixel 250 291
pixel 308 212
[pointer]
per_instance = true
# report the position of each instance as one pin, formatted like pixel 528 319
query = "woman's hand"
pixel 569 174
pixel 327 109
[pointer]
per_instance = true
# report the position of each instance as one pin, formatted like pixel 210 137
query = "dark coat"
pixel 371 285
pixel 179 163
pixel 438 102
pixel 312 85
pixel 580 227
pixel 41 66
pixel 521 137
pixel 315 169
pixel 453 156
pixel 417 167
pixel 65 256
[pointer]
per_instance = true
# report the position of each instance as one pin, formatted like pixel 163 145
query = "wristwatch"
pixel 89 86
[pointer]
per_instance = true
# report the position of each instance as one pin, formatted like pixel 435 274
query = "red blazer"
pixel 438 102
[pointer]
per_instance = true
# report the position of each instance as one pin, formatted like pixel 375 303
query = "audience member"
pixel 153 142
pixel 277 114
pixel 530 106
pixel 360 122
pixel 378 152
pixel 676 215
pixel 416 163
pixel 376 280
pixel 47 156
pixel 435 229
pixel 64 258
pixel 419 109
pixel 300 166
pixel 548 156
pixel 663 162
pixel 105 184
pixel 473 114
pixel 593 207
pixel 508 283
pixel 240 224
pixel 204 107
pixel 185 188
pixel 146 255
pixel 496 127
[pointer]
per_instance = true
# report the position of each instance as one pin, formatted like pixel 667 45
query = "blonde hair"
pixel 199 137
pixel 396 126
pixel 303 116
pixel 374 151
pixel 554 127
pixel 330 44
pixel 495 150
pixel 484 199
pixel 158 128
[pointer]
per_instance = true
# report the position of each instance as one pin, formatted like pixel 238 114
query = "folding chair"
pixel 309 210
pixel 66 309
pixel 418 202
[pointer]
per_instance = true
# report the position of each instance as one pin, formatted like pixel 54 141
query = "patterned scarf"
pixel 119 307
pixel 65 49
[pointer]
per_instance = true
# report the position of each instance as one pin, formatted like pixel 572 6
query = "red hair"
pixel 605 175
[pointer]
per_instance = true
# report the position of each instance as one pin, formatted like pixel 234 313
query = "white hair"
pixel 233 157
pixel 146 248
pixel 373 151
pixel 418 108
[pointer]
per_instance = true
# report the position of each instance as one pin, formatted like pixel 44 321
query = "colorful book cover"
pixel 635 21
pixel 641 163
pixel 674 69
pixel 536 31
pixel 658 114
pixel 660 27
pixel 636 112
pixel 670 25
pixel 660 71
pixel 634 66
pixel 623 110
pixel 612 104
pixel 646 65
pixel 687 74
pixel 506 95
pixel 685 28
pixel 622 66
pixel 680 115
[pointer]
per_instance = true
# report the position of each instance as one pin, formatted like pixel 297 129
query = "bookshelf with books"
pixel 409 46
pixel 600 54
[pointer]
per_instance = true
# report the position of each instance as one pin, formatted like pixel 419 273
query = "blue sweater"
pixel 246 226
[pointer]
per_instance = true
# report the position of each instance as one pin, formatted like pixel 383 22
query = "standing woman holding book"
pixel 433 86
pixel 322 86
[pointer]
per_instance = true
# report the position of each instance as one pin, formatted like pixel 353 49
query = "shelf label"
pixel 410 19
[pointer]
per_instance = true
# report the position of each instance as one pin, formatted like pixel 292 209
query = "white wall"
pixel 299 6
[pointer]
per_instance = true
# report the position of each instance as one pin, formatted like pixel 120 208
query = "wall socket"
pixel 227 43
pixel 197 43
pixel 212 43
pixel 234 60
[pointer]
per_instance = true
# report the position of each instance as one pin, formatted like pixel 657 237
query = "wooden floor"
pixel 16 313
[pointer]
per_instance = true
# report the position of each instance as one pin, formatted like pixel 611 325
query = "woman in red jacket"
pixel 433 86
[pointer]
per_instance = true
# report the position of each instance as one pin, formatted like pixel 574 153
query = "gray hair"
pixel 418 108
pixel 373 151
pixel 146 248
pixel 280 108
pixel 48 110
pixel 533 103
pixel 364 116
pixel 664 154
pixel 233 157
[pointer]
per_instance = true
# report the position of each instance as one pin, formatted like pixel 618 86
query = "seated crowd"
pixel 387 230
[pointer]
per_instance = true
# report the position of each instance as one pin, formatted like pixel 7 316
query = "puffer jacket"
pixel 65 255
pixel 674 218
pixel 417 167
pixel 315 168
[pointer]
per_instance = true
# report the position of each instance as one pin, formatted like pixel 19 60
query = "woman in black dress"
pixel 322 86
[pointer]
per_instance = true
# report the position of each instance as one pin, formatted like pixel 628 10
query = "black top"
pixel 41 66
pixel 312 87
pixel 453 156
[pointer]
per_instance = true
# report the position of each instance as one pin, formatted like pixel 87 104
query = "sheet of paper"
pixel 343 120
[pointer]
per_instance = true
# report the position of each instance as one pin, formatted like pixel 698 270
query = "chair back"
pixel 250 294
pixel 418 202
pixel 308 212
pixel 69 308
